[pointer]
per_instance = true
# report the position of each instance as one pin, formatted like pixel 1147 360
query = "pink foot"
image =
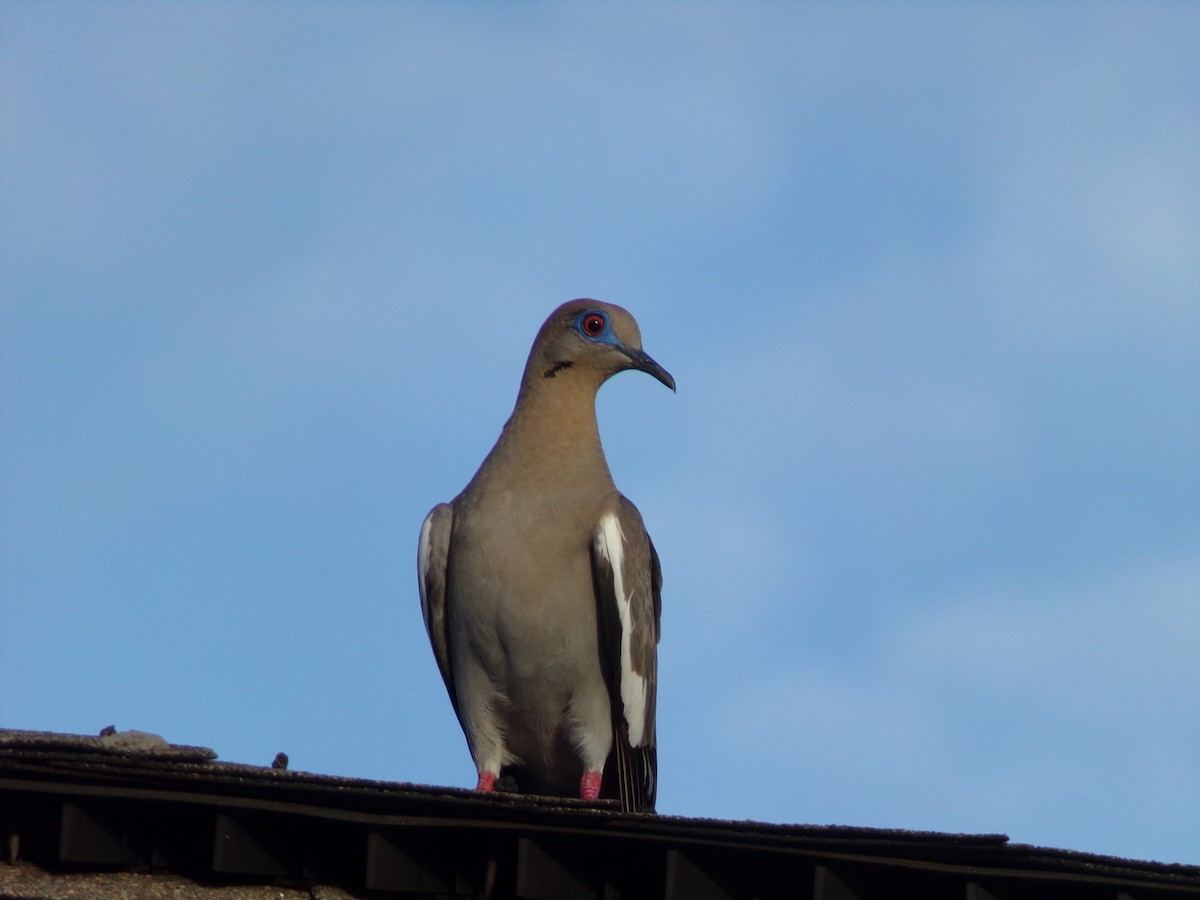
pixel 589 786
pixel 487 781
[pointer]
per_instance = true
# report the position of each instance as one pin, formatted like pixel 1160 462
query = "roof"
pixel 131 815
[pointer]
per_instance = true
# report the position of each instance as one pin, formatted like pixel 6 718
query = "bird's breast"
pixel 521 587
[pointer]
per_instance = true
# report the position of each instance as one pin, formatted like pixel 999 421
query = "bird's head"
pixel 590 339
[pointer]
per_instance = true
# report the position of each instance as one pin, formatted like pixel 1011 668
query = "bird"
pixel 541 590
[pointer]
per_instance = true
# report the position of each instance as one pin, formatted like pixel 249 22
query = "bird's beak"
pixel 641 361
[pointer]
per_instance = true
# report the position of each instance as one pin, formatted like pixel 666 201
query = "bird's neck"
pixel 553 430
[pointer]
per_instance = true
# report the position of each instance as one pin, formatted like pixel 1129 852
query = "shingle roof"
pixel 128 804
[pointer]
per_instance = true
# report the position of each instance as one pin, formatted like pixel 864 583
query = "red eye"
pixel 593 324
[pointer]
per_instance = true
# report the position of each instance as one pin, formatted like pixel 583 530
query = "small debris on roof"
pixel 122 743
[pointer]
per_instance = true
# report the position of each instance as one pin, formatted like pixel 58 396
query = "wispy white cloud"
pixel 1003 708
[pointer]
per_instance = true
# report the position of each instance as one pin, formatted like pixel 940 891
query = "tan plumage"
pixel 540 587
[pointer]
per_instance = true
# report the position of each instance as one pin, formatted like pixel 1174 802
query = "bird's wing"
pixel 433 551
pixel 628 583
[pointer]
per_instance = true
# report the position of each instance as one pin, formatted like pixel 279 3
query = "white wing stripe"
pixel 633 685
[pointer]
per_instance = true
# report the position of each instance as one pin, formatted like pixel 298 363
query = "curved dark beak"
pixel 641 361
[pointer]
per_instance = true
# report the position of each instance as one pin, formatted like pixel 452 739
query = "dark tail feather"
pixel 631 774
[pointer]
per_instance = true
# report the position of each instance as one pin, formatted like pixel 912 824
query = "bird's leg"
pixel 487 781
pixel 589 785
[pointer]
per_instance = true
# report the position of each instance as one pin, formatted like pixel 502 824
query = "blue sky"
pixel 927 275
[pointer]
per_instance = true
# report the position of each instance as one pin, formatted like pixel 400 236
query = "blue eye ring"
pixel 593 324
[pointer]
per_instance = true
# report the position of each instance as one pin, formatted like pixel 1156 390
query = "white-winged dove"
pixel 540 587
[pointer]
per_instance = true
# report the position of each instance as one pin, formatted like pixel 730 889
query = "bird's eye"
pixel 593 324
